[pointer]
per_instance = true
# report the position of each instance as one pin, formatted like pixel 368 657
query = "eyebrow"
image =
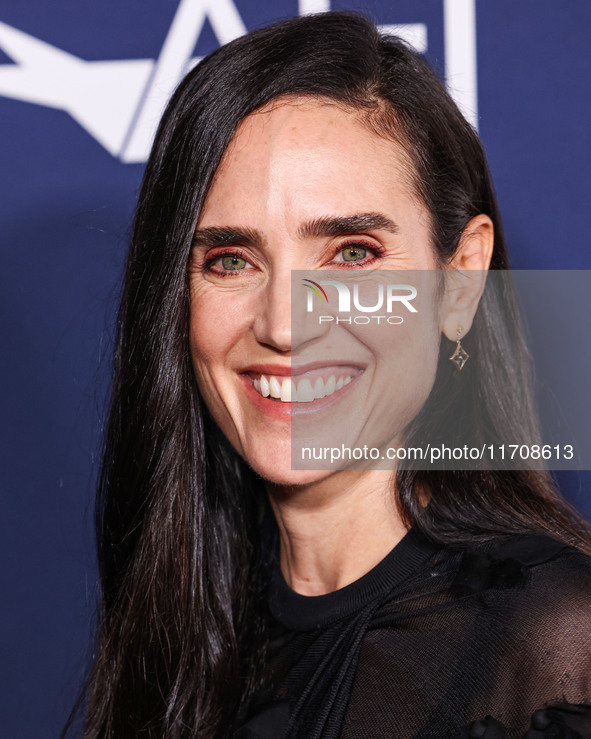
pixel 323 226
pixel 225 236
pixel 342 225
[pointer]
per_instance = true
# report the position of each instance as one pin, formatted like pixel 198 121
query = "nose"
pixel 280 322
pixel 272 324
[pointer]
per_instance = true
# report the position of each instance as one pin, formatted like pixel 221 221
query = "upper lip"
pixel 281 370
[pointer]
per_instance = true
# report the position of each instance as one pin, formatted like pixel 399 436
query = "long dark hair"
pixel 181 519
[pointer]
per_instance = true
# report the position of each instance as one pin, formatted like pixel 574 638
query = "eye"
pixel 233 261
pixel 353 253
pixel 226 264
pixel 357 253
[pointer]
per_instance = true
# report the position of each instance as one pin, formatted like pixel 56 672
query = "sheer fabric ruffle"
pixel 492 641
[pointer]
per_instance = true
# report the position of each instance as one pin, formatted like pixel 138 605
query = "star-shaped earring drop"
pixel 460 355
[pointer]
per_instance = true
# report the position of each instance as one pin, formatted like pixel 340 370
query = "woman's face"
pixel 304 185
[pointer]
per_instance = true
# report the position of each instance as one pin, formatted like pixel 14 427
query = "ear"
pixel 465 276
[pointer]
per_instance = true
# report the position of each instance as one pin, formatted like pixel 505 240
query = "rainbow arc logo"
pixel 316 288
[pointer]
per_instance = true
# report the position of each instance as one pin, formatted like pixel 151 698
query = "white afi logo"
pixel 119 102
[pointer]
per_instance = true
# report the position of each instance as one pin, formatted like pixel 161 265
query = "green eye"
pixel 354 253
pixel 232 261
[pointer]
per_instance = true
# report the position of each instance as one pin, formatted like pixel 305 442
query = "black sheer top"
pixel 492 641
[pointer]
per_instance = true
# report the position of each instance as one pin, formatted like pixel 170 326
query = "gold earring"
pixel 460 356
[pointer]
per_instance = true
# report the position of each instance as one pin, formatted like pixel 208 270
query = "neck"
pixel 334 531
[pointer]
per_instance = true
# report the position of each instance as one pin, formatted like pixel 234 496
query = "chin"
pixel 278 472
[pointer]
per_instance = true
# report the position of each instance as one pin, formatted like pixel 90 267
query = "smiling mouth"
pixel 305 388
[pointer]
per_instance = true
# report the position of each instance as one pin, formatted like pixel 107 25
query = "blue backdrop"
pixel 80 85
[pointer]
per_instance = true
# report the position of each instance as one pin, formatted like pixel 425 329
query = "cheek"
pixel 406 359
pixel 407 338
pixel 415 352
pixel 219 323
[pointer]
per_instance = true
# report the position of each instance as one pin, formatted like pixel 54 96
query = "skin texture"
pixel 288 165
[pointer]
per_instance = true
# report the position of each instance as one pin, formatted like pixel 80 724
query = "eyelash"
pixel 377 251
pixel 210 261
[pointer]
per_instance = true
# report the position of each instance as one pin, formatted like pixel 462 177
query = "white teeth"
pixel 264 386
pixel 305 392
pixel 274 387
pixel 319 388
pixel 285 390
pixel 330 386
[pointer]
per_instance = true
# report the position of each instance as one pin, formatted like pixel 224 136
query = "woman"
pixel 241 597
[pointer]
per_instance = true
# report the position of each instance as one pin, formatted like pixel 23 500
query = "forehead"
pixel 305 155
pixel 297 125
